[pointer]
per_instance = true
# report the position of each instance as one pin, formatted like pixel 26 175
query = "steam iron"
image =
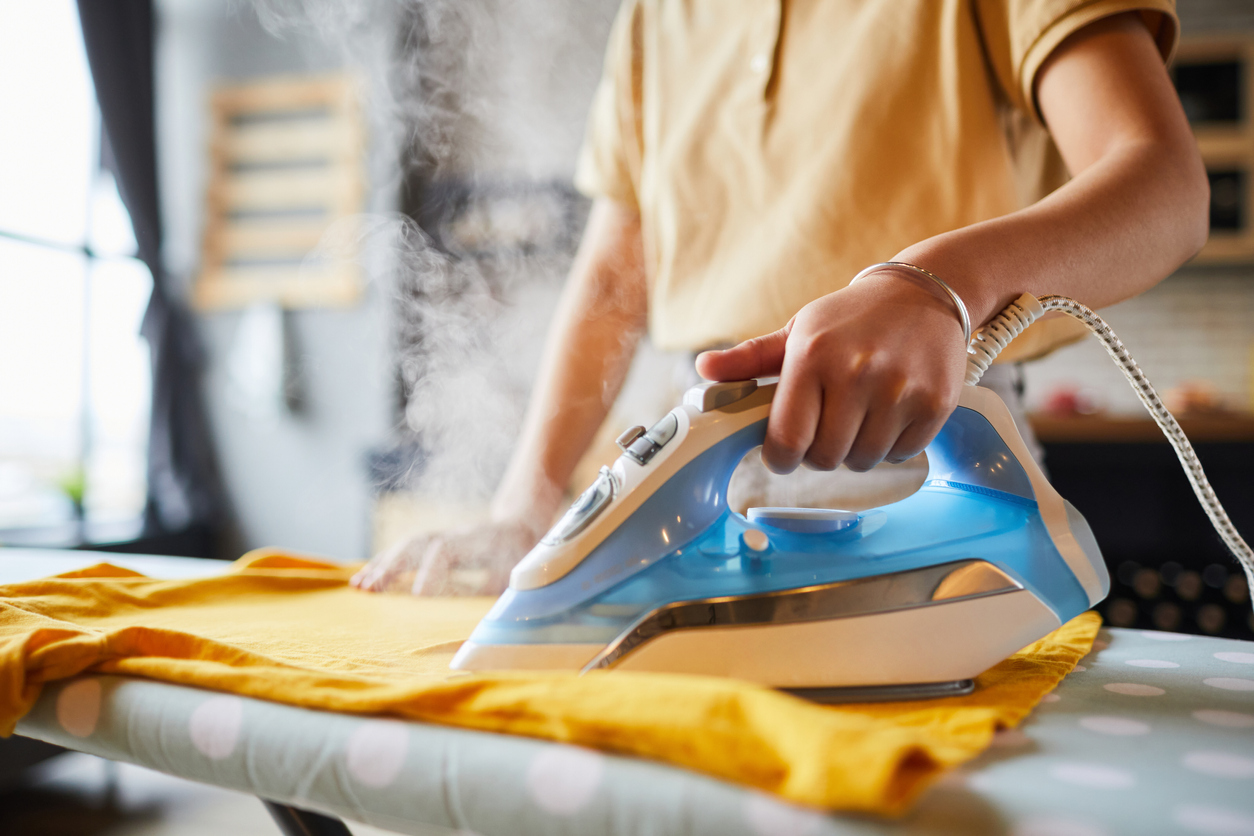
pixel 649 570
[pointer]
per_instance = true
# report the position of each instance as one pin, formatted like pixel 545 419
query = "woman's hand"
pixel 471 560
pixel 867 374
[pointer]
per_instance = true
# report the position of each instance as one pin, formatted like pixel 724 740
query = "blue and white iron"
pixel 650 570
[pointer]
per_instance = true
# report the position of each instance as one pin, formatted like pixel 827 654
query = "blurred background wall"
pixel 299 479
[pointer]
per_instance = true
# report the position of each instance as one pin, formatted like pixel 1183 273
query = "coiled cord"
pixel 989 341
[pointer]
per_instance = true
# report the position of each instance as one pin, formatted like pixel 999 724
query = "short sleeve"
pixel 1020 34
pixel 609 161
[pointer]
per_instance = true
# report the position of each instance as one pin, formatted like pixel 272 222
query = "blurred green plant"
pixel 73 483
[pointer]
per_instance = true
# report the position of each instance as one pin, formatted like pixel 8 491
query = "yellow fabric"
pixel 290 630
pixel 774 148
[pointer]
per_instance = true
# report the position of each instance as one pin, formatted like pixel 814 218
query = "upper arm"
pixel 1106 86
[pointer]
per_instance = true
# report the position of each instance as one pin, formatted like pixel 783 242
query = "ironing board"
pixel 1153 733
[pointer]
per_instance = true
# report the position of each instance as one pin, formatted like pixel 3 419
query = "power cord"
pixel 989 341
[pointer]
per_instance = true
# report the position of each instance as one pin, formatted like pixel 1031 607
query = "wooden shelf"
pixel 1108 429
pixel 1227 146
pixel 286 184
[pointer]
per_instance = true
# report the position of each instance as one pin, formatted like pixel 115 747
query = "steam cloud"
pixel 489 96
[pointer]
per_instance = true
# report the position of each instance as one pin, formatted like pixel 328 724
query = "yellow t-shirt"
pixel 775 148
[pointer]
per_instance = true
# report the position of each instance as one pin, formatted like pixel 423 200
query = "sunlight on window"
pixel 41 382
pixel 118 389
pixel 74 372
pixel 110 232
pixel 48 131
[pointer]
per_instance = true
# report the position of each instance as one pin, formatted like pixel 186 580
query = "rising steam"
pixel 489 98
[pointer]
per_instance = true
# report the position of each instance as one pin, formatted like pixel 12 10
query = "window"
pixel 74 372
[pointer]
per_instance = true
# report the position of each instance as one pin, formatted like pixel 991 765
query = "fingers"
pixel 837 428
pixel 795 413
pixel 474 560
pixel 759 357
pixel 390 569
pixel 844 431
pixel 918 434
pixel 432 577
pixel 876 436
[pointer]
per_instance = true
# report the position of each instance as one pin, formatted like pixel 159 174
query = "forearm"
pixel 595 330
pixel 1115 231
pixel 1134 211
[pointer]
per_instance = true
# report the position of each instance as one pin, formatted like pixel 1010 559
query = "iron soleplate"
pixel 883 693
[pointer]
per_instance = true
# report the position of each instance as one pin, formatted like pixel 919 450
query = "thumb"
pixel 759 357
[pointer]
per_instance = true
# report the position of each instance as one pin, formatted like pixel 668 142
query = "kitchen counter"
pixel 1106 429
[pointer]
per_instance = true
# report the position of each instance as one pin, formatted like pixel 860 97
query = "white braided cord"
pixel 988 342
pixel 997 334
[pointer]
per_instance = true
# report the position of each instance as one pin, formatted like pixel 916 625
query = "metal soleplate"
pixel 884 693
pixel 925 586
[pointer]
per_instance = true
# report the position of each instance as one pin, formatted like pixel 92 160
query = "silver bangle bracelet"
pixel 963 316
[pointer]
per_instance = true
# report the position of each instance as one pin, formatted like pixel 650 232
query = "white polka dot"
pixel 563 779
pixel 1151 663
pixel 1010 738
pixel 1228 683
pixel 982 781
pixel 1050 698
pixel 1220 764
pixel 1160 636
pixel 1093 775
pixel 1079 669
pixel 1121 726
pixel 1057 827
pixel 768 817
pixel 1235 656
pixel 78 707
pixel 1214 820
pixel 376 752
pixel 1134 689
pixel 214 726
pixel 1227 719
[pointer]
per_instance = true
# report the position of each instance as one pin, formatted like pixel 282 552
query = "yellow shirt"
pixel 773 148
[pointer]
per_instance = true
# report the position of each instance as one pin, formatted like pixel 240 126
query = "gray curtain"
pixel 184 488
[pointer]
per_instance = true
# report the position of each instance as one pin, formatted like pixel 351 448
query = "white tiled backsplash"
pixel 1198 325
